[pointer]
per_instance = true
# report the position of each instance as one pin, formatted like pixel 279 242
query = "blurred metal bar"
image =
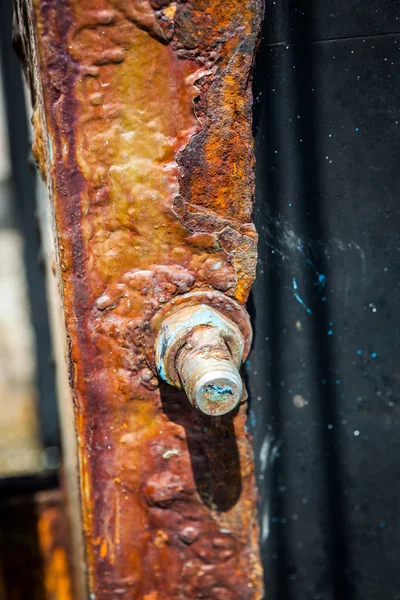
pixel 24 179
pixel 34 547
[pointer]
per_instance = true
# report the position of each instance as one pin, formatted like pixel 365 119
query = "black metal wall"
pixel 323 374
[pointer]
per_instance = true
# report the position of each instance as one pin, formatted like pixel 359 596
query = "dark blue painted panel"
pixel 294 20
pixel 323 375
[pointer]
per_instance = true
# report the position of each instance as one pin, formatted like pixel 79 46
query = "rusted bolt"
pixel 200 350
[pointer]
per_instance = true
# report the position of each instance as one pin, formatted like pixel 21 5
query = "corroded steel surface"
pixel 144 134
pixel 34 552
pixel 199 351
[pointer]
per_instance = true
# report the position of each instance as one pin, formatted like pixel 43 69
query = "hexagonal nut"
pixel 176 329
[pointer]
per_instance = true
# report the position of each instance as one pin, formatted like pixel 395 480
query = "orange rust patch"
pixel 103 549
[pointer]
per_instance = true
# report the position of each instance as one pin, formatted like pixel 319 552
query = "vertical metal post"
pixel 143 131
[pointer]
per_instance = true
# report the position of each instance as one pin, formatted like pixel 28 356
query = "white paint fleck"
pixel 265 525
pixel 170 453
pixel 298 401
pixel 268 453
pixel 216 266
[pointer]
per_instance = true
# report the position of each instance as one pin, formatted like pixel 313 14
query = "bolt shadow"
pixel 213 450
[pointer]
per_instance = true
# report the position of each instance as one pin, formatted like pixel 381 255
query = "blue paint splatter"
pixel 330 332
pixel 321 277
pixel 337 381
pixel 321 281
pixel 214 391
pixel 304 305
pixel 373 355
pixel 359 352
pixel 308 261
pixel 298 298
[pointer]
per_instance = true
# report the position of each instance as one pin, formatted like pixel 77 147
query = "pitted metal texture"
pixel 143 131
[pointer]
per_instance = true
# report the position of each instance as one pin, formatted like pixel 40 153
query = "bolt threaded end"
pixel 200 350
pixel 213 385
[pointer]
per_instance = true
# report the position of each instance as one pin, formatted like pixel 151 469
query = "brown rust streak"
pixel 149 153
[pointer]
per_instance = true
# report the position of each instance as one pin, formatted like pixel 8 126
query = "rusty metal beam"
pixel 143 132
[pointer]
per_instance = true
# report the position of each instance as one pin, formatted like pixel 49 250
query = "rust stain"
pixel 145 109
pixel 103 549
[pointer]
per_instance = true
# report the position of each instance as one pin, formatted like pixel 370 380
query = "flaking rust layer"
pixel 144 134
